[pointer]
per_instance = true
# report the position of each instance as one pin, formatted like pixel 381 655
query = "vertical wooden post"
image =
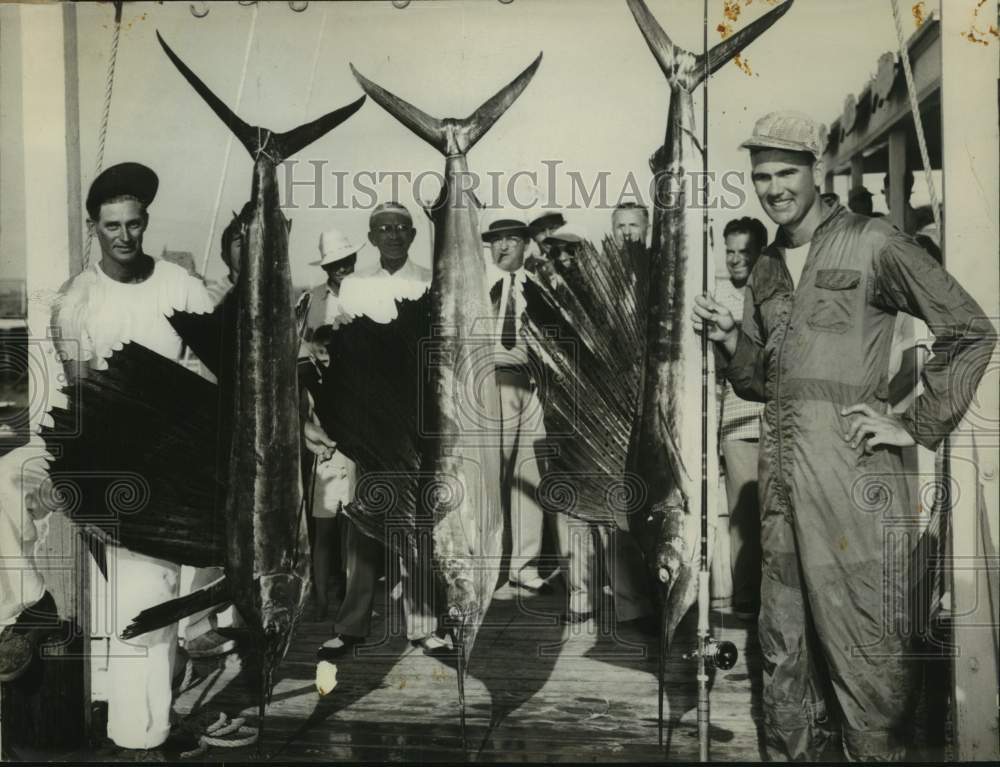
pixel 46 187
pixel 857 171
pixel 828 182
pixel 74 196
pixel 49 130
pixel 969 76
pixel 897 170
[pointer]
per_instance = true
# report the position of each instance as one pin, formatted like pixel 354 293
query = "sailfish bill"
pixel 468 523
pixel 668 453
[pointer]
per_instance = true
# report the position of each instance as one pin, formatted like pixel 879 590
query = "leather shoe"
pixel 573 618
pixel 535 585
pixel 19 642
pixel 434 646
pixel 347 641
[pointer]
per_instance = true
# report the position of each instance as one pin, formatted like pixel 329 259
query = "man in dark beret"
pixel 123 297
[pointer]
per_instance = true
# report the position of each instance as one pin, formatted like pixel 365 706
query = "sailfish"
pixel 667 453
pixel 220 465
pixel 458 497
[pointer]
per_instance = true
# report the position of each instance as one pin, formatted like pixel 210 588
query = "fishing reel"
pixel 720 655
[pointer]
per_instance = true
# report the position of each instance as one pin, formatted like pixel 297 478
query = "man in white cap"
pixel 374 290
pixel 818 319
pixel 391 231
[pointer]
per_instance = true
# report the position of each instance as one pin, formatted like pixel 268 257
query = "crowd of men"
pixel 803 327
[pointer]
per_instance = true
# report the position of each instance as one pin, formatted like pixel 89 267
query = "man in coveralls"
pixel 814 346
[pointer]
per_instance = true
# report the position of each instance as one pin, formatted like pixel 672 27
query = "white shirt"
pixel 98 315
pixel 517 355
pixel 795 260
pixel 410 270
pixel 219 289
pixel 324 308
pixel 374 293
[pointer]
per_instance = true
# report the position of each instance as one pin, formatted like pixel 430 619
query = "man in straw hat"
pixel 320 305
pixel 542 226
pixel 835 592
pixel 336 475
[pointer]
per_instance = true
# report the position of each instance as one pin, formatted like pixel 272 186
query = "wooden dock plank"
pixel 536 691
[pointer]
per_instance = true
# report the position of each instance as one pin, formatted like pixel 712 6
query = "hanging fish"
pixel 460 491
pixel 668 454
pixel 267 563
pixel 160 422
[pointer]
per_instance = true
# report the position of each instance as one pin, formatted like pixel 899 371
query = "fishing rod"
pixel 709 652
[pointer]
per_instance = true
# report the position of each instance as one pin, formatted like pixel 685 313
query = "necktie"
pixel 508 334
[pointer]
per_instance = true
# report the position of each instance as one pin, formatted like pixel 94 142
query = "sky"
pixel 598 102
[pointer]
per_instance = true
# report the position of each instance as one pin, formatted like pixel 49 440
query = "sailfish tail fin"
pixel 280 145
pixel 670 56
pixel 450 136
pixel 732 45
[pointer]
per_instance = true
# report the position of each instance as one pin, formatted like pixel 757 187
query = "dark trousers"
pixel 741 457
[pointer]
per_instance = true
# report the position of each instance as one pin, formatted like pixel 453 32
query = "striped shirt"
pixel 738 418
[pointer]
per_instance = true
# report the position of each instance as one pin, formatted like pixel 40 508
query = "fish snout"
pixel 279 602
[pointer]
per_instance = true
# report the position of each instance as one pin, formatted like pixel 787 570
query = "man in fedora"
pixel 126 296
pixel 542 226
pixel 523 436
pixel 818 317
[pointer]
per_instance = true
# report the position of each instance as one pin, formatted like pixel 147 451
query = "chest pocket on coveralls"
pixel 836 291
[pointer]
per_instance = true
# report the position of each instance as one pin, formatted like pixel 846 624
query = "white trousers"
pixel 140 670
pixel 21 582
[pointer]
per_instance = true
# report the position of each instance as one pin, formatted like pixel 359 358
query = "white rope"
pixel 229 145
pixel 315 64
pixel 911 89
pixel 213 735
pixel 102 138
